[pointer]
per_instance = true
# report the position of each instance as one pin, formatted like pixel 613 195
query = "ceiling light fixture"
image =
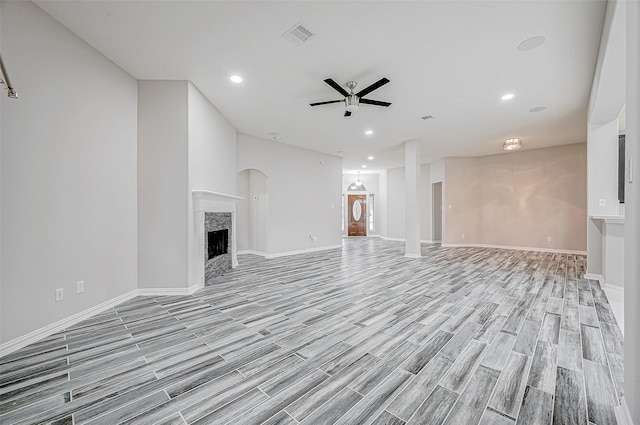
pixel 364 165
pixel 507 96
pixel 368 132
pixel 538 109
pixel 370 158
pixel 236 79
pixel 358 182
pixel 512 144
pixel 531 43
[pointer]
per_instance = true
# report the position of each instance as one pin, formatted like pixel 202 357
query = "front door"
pixel 357 215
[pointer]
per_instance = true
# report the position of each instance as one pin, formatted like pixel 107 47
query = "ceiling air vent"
pixel 298 34
pixel 426 117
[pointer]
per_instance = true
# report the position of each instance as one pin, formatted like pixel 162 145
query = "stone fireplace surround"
pixel 204 204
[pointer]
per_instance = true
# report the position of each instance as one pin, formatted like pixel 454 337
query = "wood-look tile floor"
pixel 361 335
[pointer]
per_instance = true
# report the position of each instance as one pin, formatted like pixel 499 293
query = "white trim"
pixel 35 336
pixel 161 292
pixel 594 276
pixel 428 241
pixel 623 416
pixel 209 195
pixel 609 219
pixel 392 239
pixel 413 255
pixel 250 251
pixel 517 248
pixel 302 251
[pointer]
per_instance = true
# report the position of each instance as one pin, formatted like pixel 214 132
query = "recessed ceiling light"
pixel 364 166
pixel 370 158
pixel 236 78
pixel 512 144
pixel 368 132
pixel 507 96
pixel 531 43
pixel 538 109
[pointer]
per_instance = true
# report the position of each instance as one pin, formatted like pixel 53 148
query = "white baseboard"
pixel 302 251
pixel 413 255
pixel 516 248
pixel 35 336
pixel 623 416
pixel 594 276
pixel 161 292
pixel 392 239
pixel 249 251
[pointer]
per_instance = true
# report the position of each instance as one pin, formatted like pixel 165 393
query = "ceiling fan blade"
pixel 347 113
pixel 374 102
pixel 327 102
pixel 336 87
pixel 372 87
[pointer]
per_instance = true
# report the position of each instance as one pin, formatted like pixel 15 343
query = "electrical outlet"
pixel 548 238
pixel 80 287
pixel 602 202
pixel 462 235
pixel 59 294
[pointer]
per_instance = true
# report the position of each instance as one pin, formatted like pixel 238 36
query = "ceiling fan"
pixel 353 100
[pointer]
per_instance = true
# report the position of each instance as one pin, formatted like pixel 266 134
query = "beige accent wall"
pixel 518 199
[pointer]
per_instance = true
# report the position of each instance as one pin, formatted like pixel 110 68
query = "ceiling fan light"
pixel 351 103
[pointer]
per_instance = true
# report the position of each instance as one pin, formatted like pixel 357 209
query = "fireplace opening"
pixel 218 242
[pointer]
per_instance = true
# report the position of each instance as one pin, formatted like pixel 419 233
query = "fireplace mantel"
pixel 203 198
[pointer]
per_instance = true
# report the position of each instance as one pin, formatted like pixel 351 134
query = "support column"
pixel 412 204
pixel 632 217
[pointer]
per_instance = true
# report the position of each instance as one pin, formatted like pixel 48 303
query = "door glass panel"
pixel 357 210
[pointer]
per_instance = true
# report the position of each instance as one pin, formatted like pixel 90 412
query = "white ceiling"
pixel 450 59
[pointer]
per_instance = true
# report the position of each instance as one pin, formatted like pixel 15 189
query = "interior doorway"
pixel 357 210
pixel 436 191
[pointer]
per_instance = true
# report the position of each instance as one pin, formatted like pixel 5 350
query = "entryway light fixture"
pixel 357 185
pixel 512 144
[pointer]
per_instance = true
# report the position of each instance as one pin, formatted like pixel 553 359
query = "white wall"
pixel 163 197
pixel 393 210
pixel 383 200
pixel 632 220
pixel 602 184
pixel 426 198
pixel 304 195
pixel 602 168
pixel 258 210
pixel 243 230
pixel 211 163
pixel 68 174
pixel 395 203
pixel 519 199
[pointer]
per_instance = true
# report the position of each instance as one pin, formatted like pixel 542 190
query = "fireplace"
pixel 217 232
pixel 211 256
pixel 218 242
